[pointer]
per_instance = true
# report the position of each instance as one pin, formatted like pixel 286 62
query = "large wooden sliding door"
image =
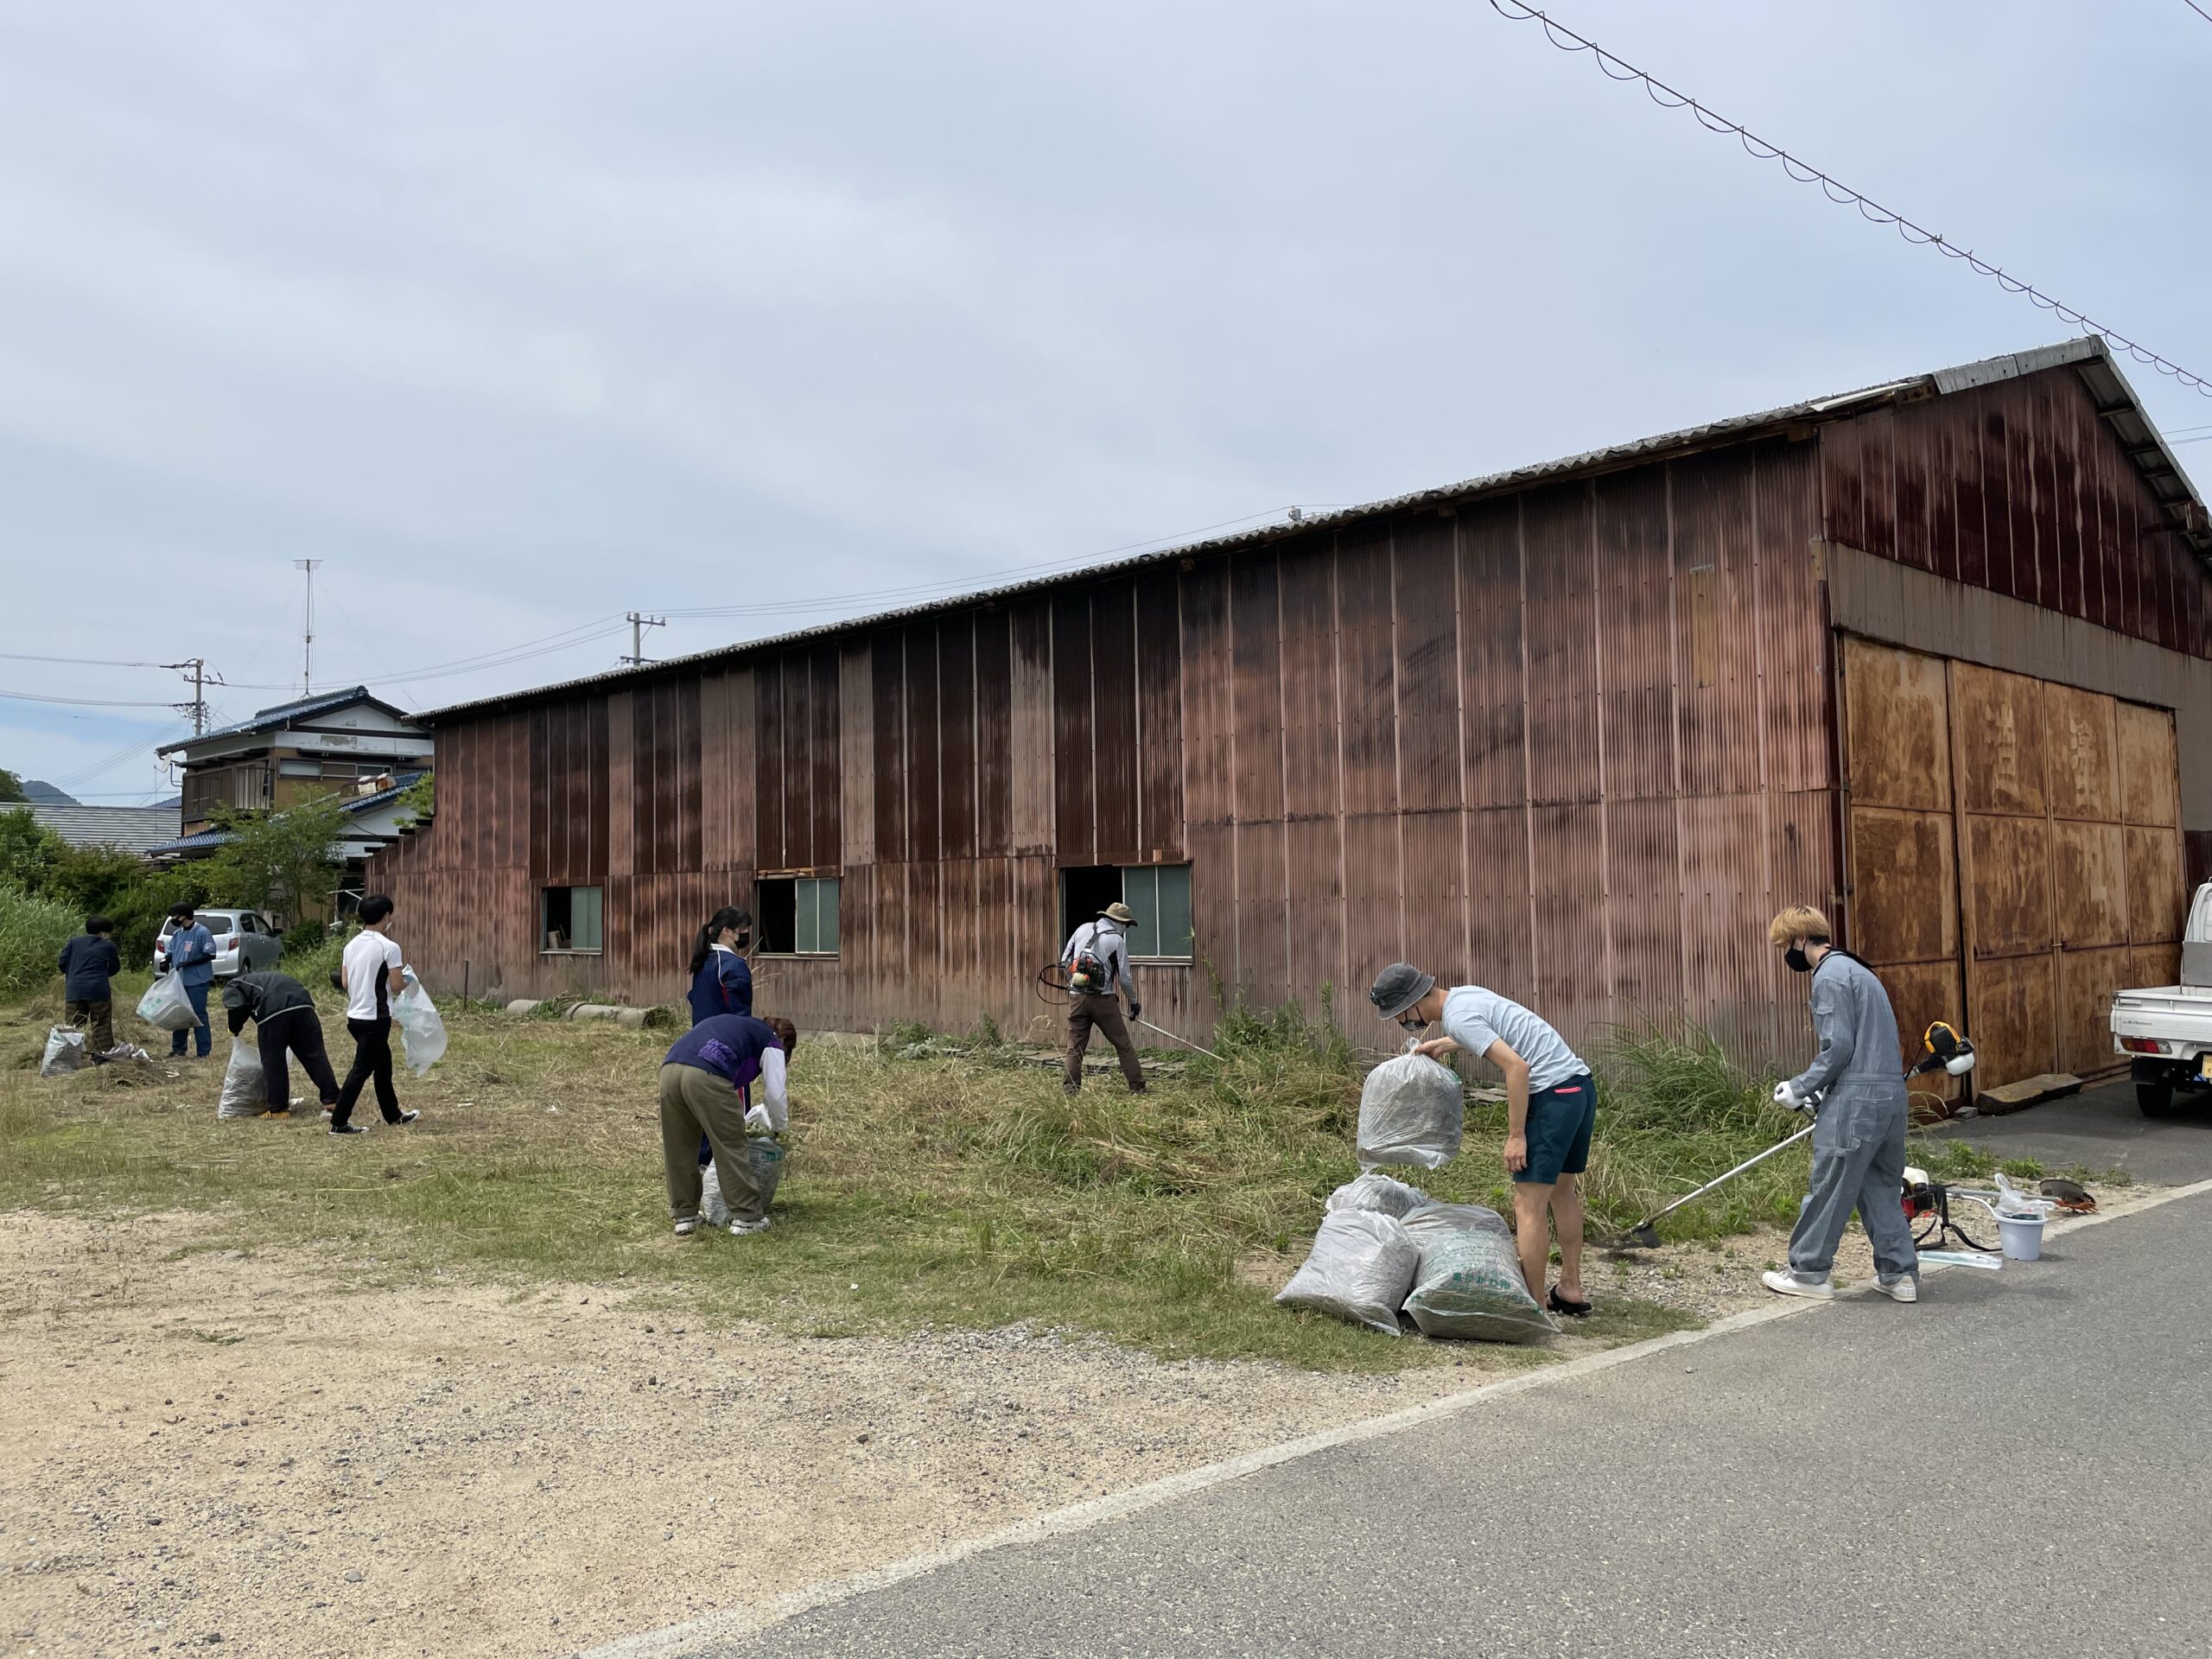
pixel 2060 809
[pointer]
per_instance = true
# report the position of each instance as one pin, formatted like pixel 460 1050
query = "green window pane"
pixel 1175 887
pixel 826 914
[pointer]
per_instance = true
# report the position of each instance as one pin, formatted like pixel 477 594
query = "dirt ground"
pixel 209 1448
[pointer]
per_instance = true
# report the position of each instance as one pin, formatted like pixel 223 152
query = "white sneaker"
pixel 406 1117
pixel 1902 1289
pixel 1788 1284
pixel 746 1229
pixel 685 1228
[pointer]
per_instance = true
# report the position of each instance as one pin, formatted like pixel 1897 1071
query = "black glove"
pixel 1136 1007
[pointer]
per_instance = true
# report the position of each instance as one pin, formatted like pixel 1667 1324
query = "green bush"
pixel 32 933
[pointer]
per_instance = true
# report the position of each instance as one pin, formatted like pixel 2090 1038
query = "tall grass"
pixel 32 933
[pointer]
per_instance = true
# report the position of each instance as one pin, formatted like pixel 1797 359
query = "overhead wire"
pixel 1835 190
pixel 82 702
pixel 2199 10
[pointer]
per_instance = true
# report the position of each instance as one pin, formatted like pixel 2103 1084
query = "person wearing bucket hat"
pixel 1098 959
pixel 1551 1107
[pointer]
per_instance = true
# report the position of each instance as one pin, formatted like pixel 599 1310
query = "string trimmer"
pixel 1946 1049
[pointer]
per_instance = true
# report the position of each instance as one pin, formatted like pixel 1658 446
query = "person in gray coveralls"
pixel 1859 1135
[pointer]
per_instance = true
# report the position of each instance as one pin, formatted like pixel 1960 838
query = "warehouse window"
pixel 570 919
pixel 1159 894
pixel 797 915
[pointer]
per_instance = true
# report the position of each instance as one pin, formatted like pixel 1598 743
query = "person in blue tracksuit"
pixel 190 951
pixel 721 981
pixel 703 1086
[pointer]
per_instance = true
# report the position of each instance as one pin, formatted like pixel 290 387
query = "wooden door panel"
pixel 2088 884
pixel 2154 965
pixel 1900 737
pixel 2083 770
pixel 2087 980
pixel 2157 897
pixel 2013 1020
pixel 1904 886
pixel 1998 725
pixel 2008 881
pixel 2150 767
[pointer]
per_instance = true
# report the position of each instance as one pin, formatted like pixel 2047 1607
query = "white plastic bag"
pixel 766 1158
pixel 245 1092
pixel 1411 1111
pixel 65 1053
pixel 1432 1222
pixel 421 1032
pixel 1360 1267
pixel 168 1004
pixel 1377 1191
pixel 1469 1282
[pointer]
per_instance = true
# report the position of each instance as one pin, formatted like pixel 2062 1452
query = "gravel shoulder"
pixel 205 1445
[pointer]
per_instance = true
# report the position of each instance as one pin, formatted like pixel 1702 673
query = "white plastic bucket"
pixel 2021 1236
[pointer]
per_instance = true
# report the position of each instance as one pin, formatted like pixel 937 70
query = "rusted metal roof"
pixel 2116 402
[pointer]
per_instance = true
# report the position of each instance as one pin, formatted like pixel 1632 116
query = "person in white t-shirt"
pixel 372 972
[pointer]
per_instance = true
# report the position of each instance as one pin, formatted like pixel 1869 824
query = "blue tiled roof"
pixel 284 713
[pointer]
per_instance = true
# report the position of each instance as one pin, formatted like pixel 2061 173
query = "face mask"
pixel 1796 960
pixel 1415 1024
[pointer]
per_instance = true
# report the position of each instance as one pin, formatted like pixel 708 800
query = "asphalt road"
pixel 2103 1128
pixel 2018 1464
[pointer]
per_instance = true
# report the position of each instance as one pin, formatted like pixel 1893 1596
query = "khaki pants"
pixel 695 1102
pixel 99 1020
pixel 1103 1012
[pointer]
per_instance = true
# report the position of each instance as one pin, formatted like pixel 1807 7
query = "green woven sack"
pixel 1469 1286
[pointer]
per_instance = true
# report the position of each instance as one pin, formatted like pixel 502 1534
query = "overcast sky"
pixel 521 316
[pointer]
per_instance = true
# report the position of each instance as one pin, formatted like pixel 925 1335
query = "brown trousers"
pixel 695 1102
pixel 99 1020
pixel 1103 1012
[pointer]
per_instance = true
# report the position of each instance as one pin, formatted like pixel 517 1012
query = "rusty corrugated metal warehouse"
pixel 1932 654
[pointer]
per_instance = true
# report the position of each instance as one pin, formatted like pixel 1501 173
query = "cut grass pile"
pixel 958 1188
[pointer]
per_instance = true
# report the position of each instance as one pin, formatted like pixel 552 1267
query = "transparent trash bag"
pixel 1361 1266
pixel 1411 1111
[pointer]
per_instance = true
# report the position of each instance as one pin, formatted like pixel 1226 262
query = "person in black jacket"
pixel 87 963
pixel 284 1018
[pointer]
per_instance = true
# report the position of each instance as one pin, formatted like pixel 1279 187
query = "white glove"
pixel 1786 1096
pixel 756 1121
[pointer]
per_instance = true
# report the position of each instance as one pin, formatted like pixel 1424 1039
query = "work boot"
pixel 1788 1284
pixel 1902 1289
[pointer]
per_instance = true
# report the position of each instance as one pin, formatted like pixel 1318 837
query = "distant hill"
pixel 39 794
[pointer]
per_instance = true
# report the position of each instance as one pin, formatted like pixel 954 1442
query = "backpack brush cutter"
pixel 1945 1049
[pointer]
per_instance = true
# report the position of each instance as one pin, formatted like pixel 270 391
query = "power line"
pixel 1835 189
pixel 79 662
pixel 2199 10
pixel 81 702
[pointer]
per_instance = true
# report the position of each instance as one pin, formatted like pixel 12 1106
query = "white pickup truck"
pixel 2167 1030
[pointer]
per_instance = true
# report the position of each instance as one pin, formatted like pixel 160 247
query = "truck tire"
pixel 2156 1099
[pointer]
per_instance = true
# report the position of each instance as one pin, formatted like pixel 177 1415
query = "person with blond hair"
pixel 1858 1132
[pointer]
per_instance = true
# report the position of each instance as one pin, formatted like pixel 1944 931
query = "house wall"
pixel 1573 742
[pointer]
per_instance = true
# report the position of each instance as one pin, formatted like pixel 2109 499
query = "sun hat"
pixel 1398 986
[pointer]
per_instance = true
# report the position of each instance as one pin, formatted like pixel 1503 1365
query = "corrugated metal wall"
pixel 2018 487
pixel 1573 743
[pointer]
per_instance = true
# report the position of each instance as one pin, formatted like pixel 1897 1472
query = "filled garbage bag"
pixel 1377 1191
pixel 245 1092
pixel 1468 1284
pixel 1411 1111
pixel 65 1053
pixel 1430 1222
pixel 766 1157
pixel 421 1032
pixel 168 1004
pixel 1360 1268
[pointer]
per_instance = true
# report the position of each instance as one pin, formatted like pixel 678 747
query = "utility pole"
pixel 195 669
pixel 639 623
pixel 307 660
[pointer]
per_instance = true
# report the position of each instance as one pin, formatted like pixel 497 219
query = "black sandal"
pixel 1560 1304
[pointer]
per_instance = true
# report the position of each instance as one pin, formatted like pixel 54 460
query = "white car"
pixel 2167 1030
pixel 244 943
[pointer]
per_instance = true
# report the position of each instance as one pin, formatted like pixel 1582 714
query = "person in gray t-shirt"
pixel 1551 1108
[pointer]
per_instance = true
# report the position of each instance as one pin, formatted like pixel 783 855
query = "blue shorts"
pixel 1560 1122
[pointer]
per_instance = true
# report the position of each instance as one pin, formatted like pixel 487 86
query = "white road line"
pixel 734 1623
